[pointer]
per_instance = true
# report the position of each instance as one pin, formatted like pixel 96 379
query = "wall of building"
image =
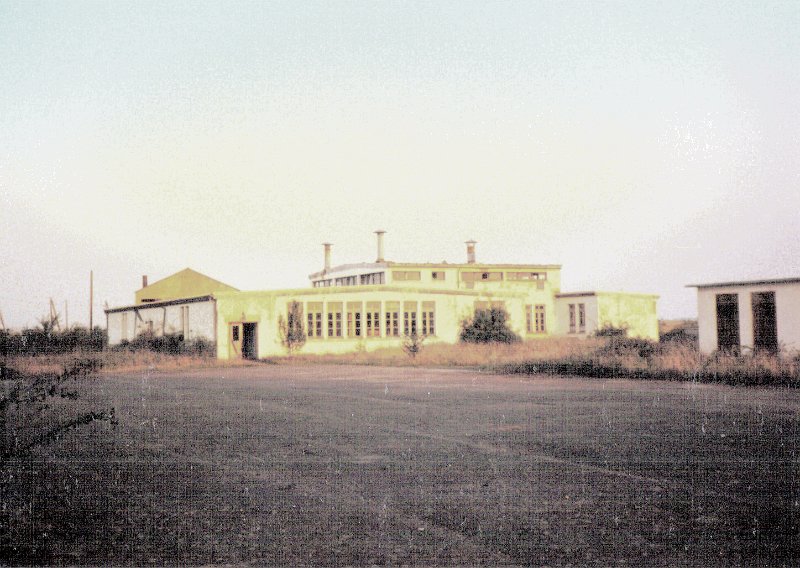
pixel 635 312
pixel 787 308
pixel 128 323
pixel 562 304
pixel 266 308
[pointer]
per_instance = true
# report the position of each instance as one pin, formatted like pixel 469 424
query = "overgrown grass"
pixel 606 357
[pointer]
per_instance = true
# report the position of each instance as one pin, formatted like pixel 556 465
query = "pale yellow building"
pixel 370 305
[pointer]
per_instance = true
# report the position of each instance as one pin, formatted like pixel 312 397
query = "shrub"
pixel 609 330
pixel 171 343
pixel 621 346
pixel 412 344
pixel 293 336
pixel 488 326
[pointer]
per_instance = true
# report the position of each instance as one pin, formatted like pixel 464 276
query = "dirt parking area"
pixel 335 465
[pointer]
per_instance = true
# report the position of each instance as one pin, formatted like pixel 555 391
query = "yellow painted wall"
pixel 265 308
pixel 184 284
pixel 636 312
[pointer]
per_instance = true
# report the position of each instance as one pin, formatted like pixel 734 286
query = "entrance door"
pixel 728 322
pixel 249 347
pixel 765 329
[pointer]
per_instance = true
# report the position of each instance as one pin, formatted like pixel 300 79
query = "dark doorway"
pixel 765 328
pixel 249 348
pixel 728 322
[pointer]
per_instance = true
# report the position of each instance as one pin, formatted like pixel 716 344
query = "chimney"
pixel 471 251
pixel 380 234
pixel 144 281
pixel 327 256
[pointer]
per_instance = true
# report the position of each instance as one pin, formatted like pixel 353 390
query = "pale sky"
pixel 644 146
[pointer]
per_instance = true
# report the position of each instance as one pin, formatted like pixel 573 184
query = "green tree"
pixel 488 326
pixel 293 335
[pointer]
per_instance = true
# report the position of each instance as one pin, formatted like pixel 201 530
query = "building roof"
pixel 161 304
pixel 602 293
pixel 747 283
pixel 461 265
pixel 187 283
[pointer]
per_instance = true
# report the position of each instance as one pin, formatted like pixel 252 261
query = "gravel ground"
pixel 334 465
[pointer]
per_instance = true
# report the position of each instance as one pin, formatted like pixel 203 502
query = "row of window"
pixel 580 309
pixel 149 324
pixel 369 319
pixel 438 275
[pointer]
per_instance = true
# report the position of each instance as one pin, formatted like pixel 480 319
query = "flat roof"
pixel 605 293
pixel 467 265
pixel 747 283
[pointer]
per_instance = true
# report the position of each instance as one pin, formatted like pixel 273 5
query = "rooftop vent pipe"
pixel 144 281
pixel 380 234
pixel 471 251
pixel 327 256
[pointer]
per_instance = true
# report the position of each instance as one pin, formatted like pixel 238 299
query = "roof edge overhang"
pixel 162 304
pixel 763 282
pixel 391 264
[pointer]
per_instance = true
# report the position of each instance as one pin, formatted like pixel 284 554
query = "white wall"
pixel 562 315
pixel 164 320
pixel 787 308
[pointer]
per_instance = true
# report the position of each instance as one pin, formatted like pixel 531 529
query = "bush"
pixel 412 344
pixel 47 341
pixel 609 330
pixel 488 326
pixel 171 343
pixel 621 346
pixel 293 336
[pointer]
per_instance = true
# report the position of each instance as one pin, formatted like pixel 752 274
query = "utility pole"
pixel 91 298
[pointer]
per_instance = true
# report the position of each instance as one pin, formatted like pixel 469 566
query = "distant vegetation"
pixel 171 343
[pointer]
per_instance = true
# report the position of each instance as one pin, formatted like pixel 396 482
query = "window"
pixel 498 305
pixel 335 319
pixel 529 319
pixel 374 278
pixel 185 322
pixel 392 324
pixel 314 319
pixel 428 318
pixel 437 275
pixel 409 318
pixel 149 300
pixel 572 318
pixel 235 333
pixel 581 318
pixel 481 276
pixel 346 281
pixel 526 275
pixel 481 306
pixel 373 318
pixel 401 275
pixel 541 326
pixel 353 319
pixel 322 283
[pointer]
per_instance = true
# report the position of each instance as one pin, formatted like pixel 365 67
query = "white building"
pixel 754 315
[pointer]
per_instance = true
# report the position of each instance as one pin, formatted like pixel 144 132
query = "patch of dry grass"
pixel 594 357
pixel 117 360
